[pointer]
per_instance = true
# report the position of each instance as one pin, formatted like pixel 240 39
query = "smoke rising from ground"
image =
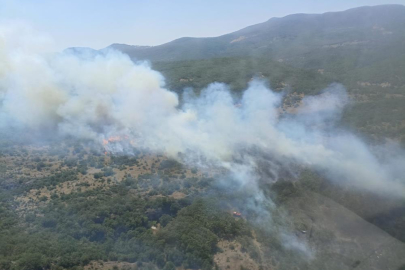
pixel 96 96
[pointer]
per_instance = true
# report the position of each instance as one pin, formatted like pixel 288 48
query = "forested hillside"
pixel 76 208
pixel 309 40
pixel 377 110
pixel 361 48
pixel 123 202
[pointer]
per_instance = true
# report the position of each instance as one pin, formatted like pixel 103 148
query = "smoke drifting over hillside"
pixel 96 96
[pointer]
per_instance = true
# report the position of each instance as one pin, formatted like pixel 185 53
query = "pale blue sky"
pixel 97 24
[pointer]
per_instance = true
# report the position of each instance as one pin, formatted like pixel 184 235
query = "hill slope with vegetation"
pixel 361 48
pixel 301 39
pixel 70 205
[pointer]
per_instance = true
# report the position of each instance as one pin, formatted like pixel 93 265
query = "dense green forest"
pixel 75 208
pixel 376 111
pixel 77 211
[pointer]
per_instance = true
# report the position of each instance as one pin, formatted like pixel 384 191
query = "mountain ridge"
pixel 278 37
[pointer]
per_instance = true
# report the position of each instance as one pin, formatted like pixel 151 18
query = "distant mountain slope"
pixel 362 48
pixel 294 38
pixel 237 72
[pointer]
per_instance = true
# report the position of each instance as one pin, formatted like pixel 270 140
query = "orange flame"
pixel 114 139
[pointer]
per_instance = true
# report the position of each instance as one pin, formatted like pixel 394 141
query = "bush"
pixel 165 219
pixel 98 175
pixel 169 266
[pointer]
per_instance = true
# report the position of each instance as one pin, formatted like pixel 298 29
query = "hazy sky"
pixel 97 24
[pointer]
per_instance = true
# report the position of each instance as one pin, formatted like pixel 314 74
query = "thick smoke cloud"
pixel 95 96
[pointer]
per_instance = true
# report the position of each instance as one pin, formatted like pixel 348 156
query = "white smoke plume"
pixel 96 96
